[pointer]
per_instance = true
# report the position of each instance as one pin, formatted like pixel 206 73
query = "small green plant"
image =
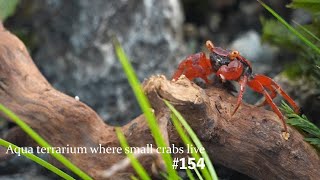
pixel 298 34
pixel 302 41
pixel 302 122
pixel 309 5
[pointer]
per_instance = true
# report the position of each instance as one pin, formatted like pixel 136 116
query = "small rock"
pixel 75 51
pixel 249 45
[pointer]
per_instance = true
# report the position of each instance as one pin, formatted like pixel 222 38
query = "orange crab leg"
pixel 194 66
pixel 257 86
pixel 272 92
pixel 274 87
pixel 243 82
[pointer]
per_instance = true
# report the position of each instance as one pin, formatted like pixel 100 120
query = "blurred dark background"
pixel 70 42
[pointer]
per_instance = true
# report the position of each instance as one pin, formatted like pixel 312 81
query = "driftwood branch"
pixel 249 142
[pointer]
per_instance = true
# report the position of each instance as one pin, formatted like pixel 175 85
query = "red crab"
pixel 230 65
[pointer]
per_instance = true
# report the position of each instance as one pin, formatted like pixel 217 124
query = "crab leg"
pixel 243 82
pixel 272 92
pixel 274 87
pixel 256 85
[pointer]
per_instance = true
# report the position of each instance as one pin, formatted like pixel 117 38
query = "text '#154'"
pixel 188 163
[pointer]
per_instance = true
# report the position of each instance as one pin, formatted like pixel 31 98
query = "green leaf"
pixel 7 8
pixel 195 139
pixel 290 28
pixel 305 29
pixel 302 122
pixel 36 159
pixel 134 178
pixel 145 106
pixel 310 5
pixel 133 160
pixel 198 173
pixel 306 62
pixel 190 175
pixel 313 141
pixel 187 141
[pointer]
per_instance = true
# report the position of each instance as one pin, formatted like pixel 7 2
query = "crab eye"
pixel 234 54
